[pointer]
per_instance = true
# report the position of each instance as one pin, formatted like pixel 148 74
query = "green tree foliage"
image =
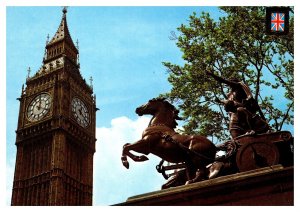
pixel 235 46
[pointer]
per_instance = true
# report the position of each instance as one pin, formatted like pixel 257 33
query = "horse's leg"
pixel 138 146
pixel 197 162
pixel 124 157
pixel 190 170
pixel 126 151
pixel 200 175
pixel 177 180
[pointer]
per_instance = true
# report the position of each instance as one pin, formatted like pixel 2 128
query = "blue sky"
pixel 122 48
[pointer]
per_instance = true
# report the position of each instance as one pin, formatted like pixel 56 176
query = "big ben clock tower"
pixel 56 130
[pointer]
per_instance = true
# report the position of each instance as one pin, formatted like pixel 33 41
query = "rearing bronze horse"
pixel 160 139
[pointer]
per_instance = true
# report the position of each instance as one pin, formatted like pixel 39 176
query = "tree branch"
pixel 276 124
pixel 286 115
pixel 279 78
pixel 257 82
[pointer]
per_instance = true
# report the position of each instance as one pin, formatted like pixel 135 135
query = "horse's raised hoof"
pixel 142 158
pixel 215 169
pixel 125 162
pixel 125 145
pixel 188 182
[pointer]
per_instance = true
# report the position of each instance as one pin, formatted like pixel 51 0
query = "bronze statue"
pixel 242 109
pixel 160 139
pixel 193 156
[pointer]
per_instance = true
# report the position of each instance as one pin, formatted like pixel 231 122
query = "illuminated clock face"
pixel 39 107
pixel 80 112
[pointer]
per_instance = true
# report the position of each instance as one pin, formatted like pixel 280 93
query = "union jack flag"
pixel 277 22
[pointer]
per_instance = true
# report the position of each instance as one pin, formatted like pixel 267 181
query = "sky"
pixel 122 48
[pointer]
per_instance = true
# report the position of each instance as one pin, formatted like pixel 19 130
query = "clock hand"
pixel 36 107
pixel 40 101
pixel 79 113
pixel 43 107
pixel 84 117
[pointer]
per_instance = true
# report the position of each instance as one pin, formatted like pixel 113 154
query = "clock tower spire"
pixel 61 43
pixel 56 129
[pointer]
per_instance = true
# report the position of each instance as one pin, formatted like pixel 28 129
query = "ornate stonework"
pixel 54 164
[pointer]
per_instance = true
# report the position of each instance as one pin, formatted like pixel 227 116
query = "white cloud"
pixel 10 168
pixel 113 183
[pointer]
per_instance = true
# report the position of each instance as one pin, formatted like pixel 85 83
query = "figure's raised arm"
pixel 222 80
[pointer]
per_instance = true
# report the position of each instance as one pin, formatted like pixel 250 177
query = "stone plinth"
pixel 266 186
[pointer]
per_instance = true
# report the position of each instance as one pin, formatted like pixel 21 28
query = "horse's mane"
pixel 168 105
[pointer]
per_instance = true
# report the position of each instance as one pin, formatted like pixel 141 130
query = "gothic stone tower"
pixel 56 130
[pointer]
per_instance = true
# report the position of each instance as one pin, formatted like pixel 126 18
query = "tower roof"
pixel 60 50
pixel 62 32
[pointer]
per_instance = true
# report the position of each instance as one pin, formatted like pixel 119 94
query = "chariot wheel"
pixel 255 155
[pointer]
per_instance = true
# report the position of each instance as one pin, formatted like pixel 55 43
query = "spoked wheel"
pixel 255 155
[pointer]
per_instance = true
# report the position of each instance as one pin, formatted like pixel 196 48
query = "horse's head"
pixel 151 107
pixel 158 104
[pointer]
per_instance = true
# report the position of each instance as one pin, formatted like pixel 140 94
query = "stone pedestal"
pixel 266 186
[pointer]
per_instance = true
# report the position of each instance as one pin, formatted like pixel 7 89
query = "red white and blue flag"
pixel 277 22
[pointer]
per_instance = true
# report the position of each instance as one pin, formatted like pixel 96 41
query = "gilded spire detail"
pixel 62 32
pixel 28 70
pixel 65 9
pixel 91 82
pixel 61 43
